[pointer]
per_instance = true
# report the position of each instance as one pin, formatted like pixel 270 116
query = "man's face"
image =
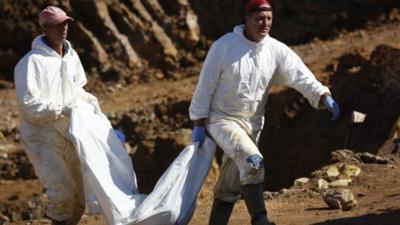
pixel 56 34
pixel 258 24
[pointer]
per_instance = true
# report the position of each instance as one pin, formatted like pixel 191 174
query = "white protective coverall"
pixel 39 89
pixel 232 92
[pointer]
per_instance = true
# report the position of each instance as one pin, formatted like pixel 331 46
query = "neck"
pixel 250 37
pixel 57 47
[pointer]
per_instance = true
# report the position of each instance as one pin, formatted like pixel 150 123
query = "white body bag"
pixel 110 180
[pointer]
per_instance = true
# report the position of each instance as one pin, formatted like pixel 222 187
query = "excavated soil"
pixel 143 57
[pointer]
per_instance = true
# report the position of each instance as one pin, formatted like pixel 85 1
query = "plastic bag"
pixel 109 174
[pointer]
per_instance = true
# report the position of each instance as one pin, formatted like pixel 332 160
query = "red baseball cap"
pixel 53 15
pixel 257 5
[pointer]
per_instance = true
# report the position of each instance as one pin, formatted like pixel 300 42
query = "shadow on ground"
pixel 387 217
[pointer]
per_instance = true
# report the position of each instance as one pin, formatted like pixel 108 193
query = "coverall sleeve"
pixel 208 81
pixel 34 109
pixel 292 72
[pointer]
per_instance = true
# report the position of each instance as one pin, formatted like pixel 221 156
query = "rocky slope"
pixel 138 41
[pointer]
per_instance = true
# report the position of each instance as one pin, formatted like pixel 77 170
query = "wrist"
pixel 200 122
pixel 323 99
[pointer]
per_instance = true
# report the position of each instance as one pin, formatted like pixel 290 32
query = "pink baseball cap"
pixel 53 15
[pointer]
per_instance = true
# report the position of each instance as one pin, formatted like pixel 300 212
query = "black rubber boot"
pixel 254 199
pixel 220 212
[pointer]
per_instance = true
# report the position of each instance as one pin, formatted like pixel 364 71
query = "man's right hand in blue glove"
pixel 332 106
pixel 199 134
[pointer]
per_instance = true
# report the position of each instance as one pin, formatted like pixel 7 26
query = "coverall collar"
pixel 40 43
pixel 239 30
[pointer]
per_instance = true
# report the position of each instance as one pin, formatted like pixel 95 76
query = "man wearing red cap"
pixel 229 102
pixel 45 80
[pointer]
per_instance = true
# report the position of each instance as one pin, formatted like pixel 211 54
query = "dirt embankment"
pixel 298 138
pixel 130 42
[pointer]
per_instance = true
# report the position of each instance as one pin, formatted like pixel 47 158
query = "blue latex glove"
pixel 255 161
pixel 332 106
pixel 120 135
pixel 199 135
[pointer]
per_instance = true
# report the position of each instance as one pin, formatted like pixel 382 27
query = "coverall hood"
pixel 239 30
pixel 38 77
pixel 41 44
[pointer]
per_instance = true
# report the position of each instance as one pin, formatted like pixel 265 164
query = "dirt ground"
pixel 377 191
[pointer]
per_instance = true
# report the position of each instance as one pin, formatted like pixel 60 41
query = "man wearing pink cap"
pixel 45 80
pixel 229 102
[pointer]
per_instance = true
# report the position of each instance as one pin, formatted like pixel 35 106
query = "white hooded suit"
pixel 41 79
pixel 232 92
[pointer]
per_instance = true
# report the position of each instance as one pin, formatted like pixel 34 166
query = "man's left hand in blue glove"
pixel 199 132
pixel 332 106
pixel 199 135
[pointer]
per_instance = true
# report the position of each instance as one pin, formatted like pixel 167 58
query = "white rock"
pixel 322 184
pixel 340 183
pixel 350 171
pixel 300 182
pixel 331 172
